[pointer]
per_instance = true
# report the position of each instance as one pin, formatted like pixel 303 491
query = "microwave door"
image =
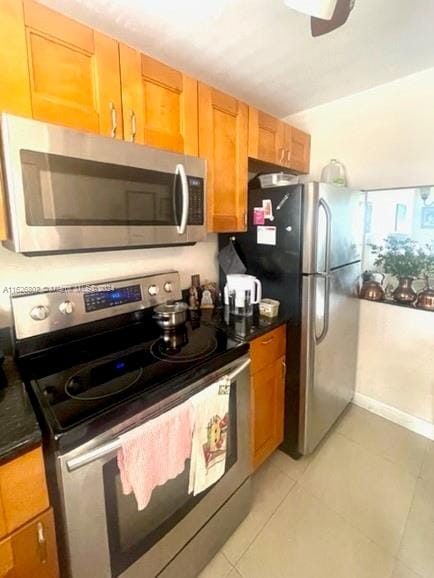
pixel 73 191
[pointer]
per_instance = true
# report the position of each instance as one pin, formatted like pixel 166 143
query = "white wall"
pixel 385 138
pixel 396 358
pixel 18 270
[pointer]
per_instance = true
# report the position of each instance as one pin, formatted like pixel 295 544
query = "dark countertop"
pixel 242 328
pixel 19 429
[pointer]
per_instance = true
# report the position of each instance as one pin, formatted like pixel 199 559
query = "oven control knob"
pixel 66 307
pixel 168 287
pixel 153 290
pixel 39 313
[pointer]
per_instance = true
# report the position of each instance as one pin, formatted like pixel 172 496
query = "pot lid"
pixel 171 307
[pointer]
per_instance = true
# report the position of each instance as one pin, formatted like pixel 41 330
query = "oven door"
pixel 106 535
pixel 69 190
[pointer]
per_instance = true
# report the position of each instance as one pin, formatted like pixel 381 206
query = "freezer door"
pixel 332 226
pixel 328 351
pixel 277 266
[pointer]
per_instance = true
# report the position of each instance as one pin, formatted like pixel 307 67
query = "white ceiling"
pixel 262 51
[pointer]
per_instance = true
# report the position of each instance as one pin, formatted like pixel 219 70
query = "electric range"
pixel 96 365
pixel 74 388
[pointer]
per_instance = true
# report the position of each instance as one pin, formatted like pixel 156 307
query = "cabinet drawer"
pixel 23 490
pixel 6 559
pixel 267 348
pixel 34 549
pixel 31 551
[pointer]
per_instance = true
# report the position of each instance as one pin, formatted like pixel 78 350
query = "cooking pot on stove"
pixel 171 314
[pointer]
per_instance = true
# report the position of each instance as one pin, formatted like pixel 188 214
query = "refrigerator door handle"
pixel 325 275
pixel 322 204
pixel 326 318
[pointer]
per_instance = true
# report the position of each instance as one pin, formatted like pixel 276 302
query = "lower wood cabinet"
pixel 31 551
pixel 23 491
pixel 268 390
pixel 27 536
pixel 268 394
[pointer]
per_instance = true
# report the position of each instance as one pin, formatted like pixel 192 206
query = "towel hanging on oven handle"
pixel 115 444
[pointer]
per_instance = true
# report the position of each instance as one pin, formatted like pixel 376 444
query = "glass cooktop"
pixel 90 385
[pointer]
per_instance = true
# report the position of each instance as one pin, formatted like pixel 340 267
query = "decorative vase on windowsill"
pixel 404 259
pixel 405 293
pixel 425 298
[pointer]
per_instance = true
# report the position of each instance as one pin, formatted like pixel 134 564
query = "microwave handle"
pixel 180 170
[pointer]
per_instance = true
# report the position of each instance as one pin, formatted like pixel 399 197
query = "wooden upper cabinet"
pixel 297 147
pixel 275 142
pixel 266 135
pixel 14 74
pixel 159 103
pixel 299 158
pixel 74 72
pixel 223 142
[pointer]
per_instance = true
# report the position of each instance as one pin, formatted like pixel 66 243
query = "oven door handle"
pixel 180 170
pixel 239 369
pixel 113 445
pixel 94 454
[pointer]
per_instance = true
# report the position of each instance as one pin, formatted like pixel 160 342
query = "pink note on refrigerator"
pixel 258 216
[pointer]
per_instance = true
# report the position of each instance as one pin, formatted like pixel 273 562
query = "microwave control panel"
pixel 196 198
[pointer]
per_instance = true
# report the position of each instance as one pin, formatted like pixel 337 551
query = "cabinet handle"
pixel 245 219
pixel 282 156
pixel 283 368
pixel 288 157
pixel 133 126
pixel 267 341
pixel 114 120
pixel 42 543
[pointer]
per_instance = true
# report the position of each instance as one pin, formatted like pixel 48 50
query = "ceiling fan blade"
pixel 340 16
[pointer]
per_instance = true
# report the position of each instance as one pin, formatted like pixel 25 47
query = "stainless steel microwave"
pixel 74 191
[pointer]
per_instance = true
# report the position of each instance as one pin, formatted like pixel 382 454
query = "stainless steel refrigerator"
pixel 307 255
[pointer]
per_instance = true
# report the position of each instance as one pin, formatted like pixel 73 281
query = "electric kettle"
pixel 241 293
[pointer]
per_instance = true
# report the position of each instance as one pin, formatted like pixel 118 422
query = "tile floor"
pixel 362 506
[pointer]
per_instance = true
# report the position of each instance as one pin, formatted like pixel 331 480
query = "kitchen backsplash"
pixel 18 271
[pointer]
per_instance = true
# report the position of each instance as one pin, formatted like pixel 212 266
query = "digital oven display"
pixel 106 299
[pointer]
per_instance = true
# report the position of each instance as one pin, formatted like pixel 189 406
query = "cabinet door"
pixel 74 72
pixel 223 136
pixel 23 490
pixel 268 394
pixel 14 74
pixel 265 137
pixel 159 103
pixel 34 549
pixel 297 143
pixel 7 560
